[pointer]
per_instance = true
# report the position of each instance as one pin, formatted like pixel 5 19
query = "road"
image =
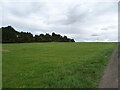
pixel 110 76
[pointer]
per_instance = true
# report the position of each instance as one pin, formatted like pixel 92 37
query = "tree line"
pixel 10 35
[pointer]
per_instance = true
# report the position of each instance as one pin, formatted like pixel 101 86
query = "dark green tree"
pixel 10 35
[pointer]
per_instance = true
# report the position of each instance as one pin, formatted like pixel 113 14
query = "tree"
pixel 48 37
pixel 10 35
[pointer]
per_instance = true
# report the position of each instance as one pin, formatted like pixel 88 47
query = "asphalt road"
pixel 110 76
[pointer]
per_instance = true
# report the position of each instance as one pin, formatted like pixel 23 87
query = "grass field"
pixel 54 65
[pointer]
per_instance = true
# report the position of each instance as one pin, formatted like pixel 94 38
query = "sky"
pixel 82 20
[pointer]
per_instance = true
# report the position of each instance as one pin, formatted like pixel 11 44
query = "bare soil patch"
pixel 4 50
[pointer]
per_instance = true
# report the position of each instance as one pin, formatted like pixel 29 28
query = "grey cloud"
pixel 109 27
pixel 23 9
pixel 104 29
pixel 94 34
pixel 75 15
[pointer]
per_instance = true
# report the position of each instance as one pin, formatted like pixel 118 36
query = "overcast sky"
pixel 78 19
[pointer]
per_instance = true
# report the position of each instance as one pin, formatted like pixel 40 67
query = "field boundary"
pixel 110 75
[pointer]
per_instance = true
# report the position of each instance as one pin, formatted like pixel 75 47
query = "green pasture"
pixel 54 65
